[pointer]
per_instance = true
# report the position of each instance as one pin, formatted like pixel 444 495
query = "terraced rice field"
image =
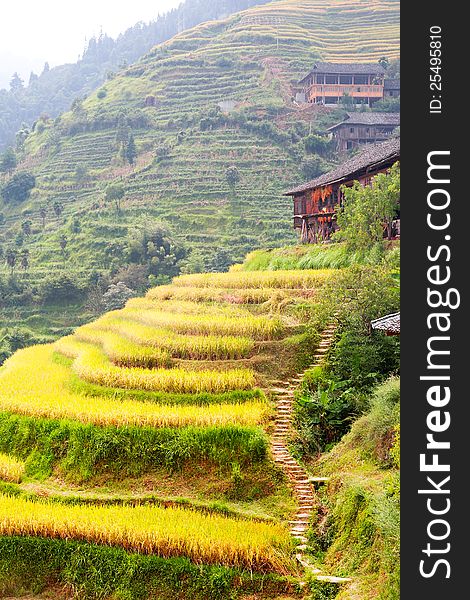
pixel 252 59
pixel 167 380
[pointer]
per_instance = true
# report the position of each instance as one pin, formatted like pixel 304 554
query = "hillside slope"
pixel 144 440
pixel 186 145
pixel 53 91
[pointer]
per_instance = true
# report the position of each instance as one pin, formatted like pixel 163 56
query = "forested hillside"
pixel 52 91
pixel 180 161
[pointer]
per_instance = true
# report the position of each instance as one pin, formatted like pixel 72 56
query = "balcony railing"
pixel 351 90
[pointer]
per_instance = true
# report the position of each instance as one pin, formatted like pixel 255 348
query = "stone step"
pixel 333 579
pixel 319 479
pixel 307 564
pixel 300 537
pixel 302 547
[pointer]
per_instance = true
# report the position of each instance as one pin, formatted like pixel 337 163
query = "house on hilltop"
pixel 327 83
pixel 316 202
pixel 363 128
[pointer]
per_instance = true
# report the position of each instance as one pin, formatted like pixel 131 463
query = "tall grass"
pixel 81 451
pixel 258 279
pixel 196 347
pixel 259 328
pixel 98 571
pixel 91 364
pixel 11 469
pixel 122 351
pixel 167 532
pixel 42 392
pixel 307 257
pixel 226 295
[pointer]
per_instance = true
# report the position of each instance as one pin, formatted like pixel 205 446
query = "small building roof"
pixel 371 155
pixel 392 84
pixel 369 118
pixel 346 69
pixel 390 324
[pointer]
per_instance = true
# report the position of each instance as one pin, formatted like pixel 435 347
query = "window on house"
pixel 361 79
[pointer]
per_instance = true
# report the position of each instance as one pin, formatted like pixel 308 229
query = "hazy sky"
pixel 35 31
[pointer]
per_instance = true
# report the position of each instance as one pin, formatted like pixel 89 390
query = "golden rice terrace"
pixel 147 431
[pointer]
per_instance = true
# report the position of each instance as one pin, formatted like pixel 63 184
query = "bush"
pixel 365 360
pixel 60 288
pixel 323 413
pixel 18 187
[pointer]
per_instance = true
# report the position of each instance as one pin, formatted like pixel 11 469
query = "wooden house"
pixel 391 88
pixel 316 202
pixel 363 128
pixel 327 83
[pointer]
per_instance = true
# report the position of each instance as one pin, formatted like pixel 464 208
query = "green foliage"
pixel 362 293
pixel 83 451
pixel 115 192
pixel 365 360
pixel 98 572
pixel 15 338
pixel 18 188
pixel 8 161
pixel 322 416
pixel 59 288
pixel 313 167
pixel 232 175
pixel 368 210
pixel 375 434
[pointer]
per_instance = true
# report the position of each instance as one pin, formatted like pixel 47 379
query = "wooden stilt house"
pixel 316 202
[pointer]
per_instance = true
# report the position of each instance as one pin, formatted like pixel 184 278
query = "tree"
pixel 26 227
pixel 11 256
pixel 58 209
pixel 383 62
pixel 115 192
pixel 8 161
pixel 24 260
pixel 16 83
pixel 43 215
pixel 232 175
pixel 368 211
pixel 18 187
pixel 131 150
pixel 117 295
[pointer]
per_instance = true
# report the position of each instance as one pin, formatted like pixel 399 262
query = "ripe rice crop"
pixel 256 279
pixel 11 469
pixel 167 532
pixel 259 328
pixel 122 351
pixel 195 347
pixel 91 364
pixel 187 307
pixel 226 295
pixel 43 392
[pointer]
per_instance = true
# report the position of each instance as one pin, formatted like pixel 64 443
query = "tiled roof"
pixel 369 118
pixel 346 68
pixel 371 155
pixel 389 323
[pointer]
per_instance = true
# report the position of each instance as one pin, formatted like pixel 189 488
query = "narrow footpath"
pixel 301 482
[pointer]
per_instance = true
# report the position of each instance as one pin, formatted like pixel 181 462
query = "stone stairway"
pixel 299 479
